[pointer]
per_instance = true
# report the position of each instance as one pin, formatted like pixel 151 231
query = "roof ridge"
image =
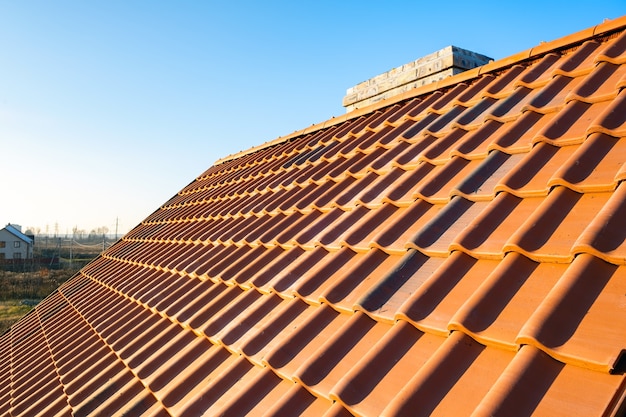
pixel 612 25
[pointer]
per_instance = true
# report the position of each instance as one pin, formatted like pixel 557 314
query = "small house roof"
pixel 17 233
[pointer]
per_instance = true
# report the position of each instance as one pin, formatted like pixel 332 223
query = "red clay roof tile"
pixel 456 250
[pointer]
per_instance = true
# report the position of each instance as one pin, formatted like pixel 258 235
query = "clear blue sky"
pixel 108 108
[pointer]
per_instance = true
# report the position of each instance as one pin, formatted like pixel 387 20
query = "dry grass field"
pixel 21 291
pixel 10 312
pixel 23 287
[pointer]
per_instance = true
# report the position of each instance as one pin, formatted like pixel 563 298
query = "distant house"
pixel 14 244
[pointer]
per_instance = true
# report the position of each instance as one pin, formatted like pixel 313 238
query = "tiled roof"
pixel 455 251
pixel 17 233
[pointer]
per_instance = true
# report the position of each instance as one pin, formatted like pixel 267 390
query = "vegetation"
pixel 21 291
pixel 24 285
pixel 10 312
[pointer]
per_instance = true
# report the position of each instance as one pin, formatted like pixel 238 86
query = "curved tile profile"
pixel 495 313
pixel 398 230
pixel 455 250
pixel 579 322
pixel 605 235
pixel 614 51
pixel 601 85
pixel 479 185
pixel 392 361
pixel 334 357
pixel 493 224
pixel 593 166
pixel 439 185
pixel 436 387
pixel 549 232
pixel 528 178
pixel 519 136
pixel 441 293
pixel 435 237
pixel 610 121
pixel 570 126
pixel 536 384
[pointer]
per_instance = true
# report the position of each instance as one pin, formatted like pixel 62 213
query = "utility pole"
pixel 116 223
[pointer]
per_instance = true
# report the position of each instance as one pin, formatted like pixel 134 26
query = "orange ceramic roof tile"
pixel 609 121
pixel 431 390
pixel 456 250
pixel 548 233
pixel 506 299
pixel 339 353
pixel 390 361
pixel 587 290
pixel 493 224
pixel 581 61
pixel 440 293
pixel 321 269
pixel 519 136
pixel 534 384
pixel 392 237
pixel 527 178
pixel 604 236
pixel 594 166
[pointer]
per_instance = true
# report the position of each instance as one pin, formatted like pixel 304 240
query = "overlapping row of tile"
pixel 461 252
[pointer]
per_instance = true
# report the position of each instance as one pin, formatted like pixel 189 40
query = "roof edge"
pixel 605 27
pixel 15 232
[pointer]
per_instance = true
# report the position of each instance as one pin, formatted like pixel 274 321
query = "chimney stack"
pixel 446 62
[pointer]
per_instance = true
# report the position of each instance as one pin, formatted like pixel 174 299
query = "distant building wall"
pixel 13 247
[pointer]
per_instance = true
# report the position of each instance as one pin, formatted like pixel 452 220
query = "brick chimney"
pixel 428 69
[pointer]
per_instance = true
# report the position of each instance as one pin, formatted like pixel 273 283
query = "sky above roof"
pixel 107 109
